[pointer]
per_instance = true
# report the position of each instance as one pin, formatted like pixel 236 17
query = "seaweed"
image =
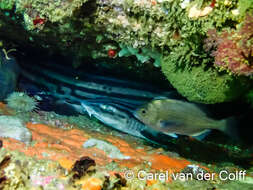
pixel 233 49
pixel 245 6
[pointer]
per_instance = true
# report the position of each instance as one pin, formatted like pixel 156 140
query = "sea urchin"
pixel 21 102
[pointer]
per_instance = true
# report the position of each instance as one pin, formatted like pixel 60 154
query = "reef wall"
pixel 204 47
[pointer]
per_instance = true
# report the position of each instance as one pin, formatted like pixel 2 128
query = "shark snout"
pixel 88 108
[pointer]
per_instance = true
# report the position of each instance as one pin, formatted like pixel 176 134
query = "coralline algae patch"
pixel 66 146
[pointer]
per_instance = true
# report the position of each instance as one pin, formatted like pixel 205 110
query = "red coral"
pixel 234 49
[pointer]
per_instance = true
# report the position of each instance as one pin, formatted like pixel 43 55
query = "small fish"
pixel 179 117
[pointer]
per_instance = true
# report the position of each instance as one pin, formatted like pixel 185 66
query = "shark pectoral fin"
pixel 200 136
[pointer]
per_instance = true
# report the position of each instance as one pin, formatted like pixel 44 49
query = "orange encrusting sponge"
pixel 65 146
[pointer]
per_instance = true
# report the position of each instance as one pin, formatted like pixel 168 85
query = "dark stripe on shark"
pixel 56 79
pixel 41 82
pixel 56 90
pixel 102 87
pixel 126 100
pixel 67 70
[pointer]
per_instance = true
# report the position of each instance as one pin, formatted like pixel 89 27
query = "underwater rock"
pixel 9 72
pixel 109 149
pixel 13 127
pixel 205 85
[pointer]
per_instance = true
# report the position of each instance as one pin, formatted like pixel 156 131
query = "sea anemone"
pixel 21 102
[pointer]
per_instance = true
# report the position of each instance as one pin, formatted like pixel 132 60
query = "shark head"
pixel 107 113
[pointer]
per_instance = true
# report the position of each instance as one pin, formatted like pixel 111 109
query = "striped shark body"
pixel 72 92
pixel 119 117
pixel 114 116
pixel 64 84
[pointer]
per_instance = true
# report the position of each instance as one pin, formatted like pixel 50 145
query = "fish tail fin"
pixel 229 127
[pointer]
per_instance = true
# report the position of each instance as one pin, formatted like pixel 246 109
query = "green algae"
pixel 245 6
pixel 143 55
pixel 7 4
pixel 204 85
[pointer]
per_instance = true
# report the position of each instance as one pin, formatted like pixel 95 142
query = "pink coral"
pixel 233 50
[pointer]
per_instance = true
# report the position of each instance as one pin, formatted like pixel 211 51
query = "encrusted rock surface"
pixel 56 159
